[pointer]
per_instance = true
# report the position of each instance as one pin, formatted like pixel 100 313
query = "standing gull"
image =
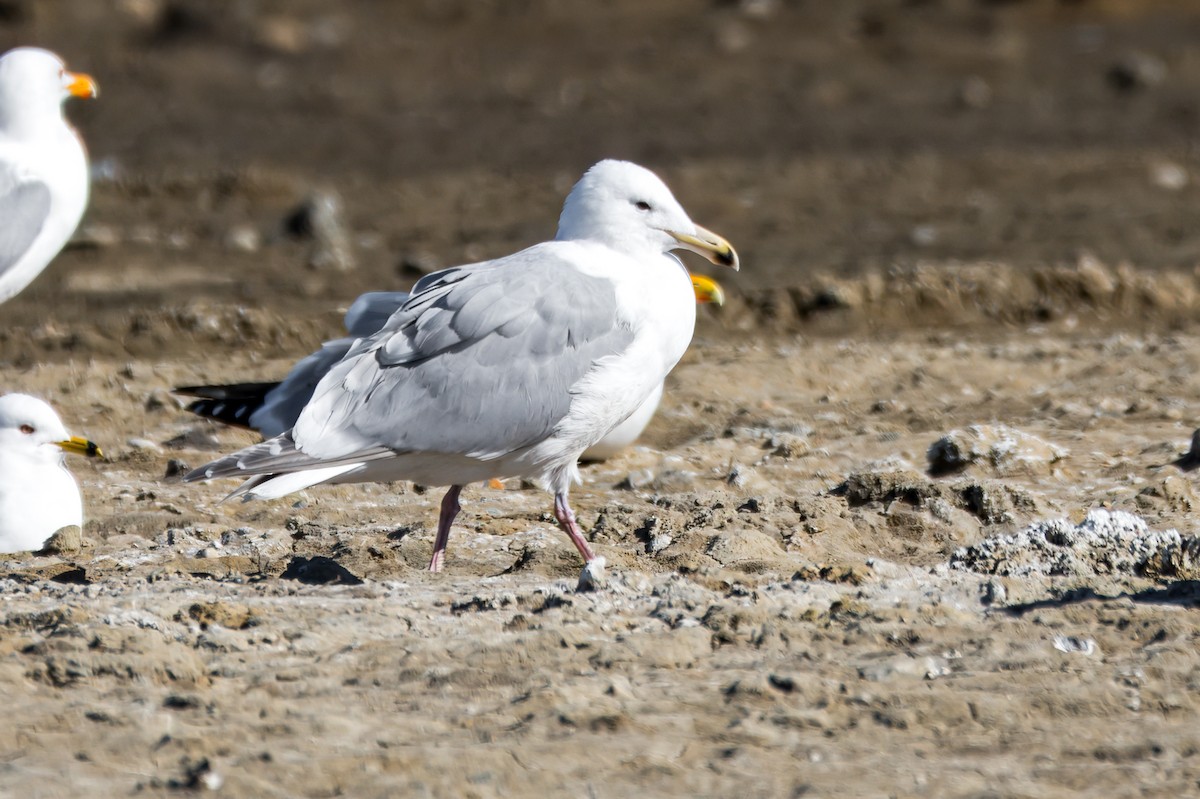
pixel 38 496
pixel 273 408
pixel 507 368
pixel 43 164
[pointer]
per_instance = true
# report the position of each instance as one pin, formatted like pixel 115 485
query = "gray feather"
pixel 24 208
pixel 370 312
pixel 282 405
pixel 275 455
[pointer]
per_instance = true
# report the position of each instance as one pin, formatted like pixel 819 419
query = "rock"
pixel 788 445
pixel 592 577
pixel 904 666
pixel 999 448
pixel 730 547
pixel 320 219
pixel 1174 493
pixel 160 399
pixel 1104 543
pixel 1074 645
pixel 65 541
pixel 197 437
pixel 924 235
pixel 975 93
pixel 226 614
pixel 1136 71
pixel 1168 175
pixel 95 237
pixel 886 487
pixel 283 35
pixel 243 238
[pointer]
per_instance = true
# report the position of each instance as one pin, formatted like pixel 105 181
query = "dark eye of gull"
pixel 642 205
pixel 27 429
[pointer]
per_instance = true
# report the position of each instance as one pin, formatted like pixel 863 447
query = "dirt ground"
pixel 971 279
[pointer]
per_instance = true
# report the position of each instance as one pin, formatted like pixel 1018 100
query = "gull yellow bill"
pixel 707 290
pixel 709 245
pixel 78 445
pixel 80 85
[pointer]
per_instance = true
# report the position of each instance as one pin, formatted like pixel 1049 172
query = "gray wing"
pixel 370 312
pixel 282 405
pixel 479 363
pixel 24 209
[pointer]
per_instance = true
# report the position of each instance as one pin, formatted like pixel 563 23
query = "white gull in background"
pixel 507 368
pixel 272 408
pixel 43 164
pixel 38 496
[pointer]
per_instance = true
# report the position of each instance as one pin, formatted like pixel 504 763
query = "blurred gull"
pixel 38 496
pixel 272 408
pixel 506 368
pixel 43 164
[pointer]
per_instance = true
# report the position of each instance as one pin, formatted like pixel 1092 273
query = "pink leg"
pixel 566 517
pixel 450 509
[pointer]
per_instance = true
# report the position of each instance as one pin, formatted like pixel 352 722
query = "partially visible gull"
pixel 38 496
pixel 506 368
pixel 272 408
pixel 43 164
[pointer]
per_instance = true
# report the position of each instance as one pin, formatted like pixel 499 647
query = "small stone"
pixel 1005 450
pixel 592 577
pixel 161 399
pixel 176 468
pixel 994 593
pixel 1168 175
pixel 199 437
pixel 975 92
pixel 143 444
pixel 1074 645
pixel 285 35
pixel 924 235
pixel 320 219
pixel 1137 71
pixel 64 541
pixel 658 543
pixel 95 237
pixel 243 238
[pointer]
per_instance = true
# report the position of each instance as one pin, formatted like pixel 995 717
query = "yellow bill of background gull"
pixel 38 496
pixel 506 368
pixel 272 408
pixel 43 164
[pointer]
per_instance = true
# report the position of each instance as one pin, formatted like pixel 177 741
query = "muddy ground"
pixel 967 307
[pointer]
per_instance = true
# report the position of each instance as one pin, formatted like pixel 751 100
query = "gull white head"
pixel 33 85
pixel 31 430
pixel 628 207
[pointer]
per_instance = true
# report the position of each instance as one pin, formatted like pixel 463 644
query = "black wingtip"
pixel 231 404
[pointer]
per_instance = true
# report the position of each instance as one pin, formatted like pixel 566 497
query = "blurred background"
pixel 277 156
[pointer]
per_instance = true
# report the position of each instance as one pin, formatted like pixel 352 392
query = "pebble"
pixel 1072 645
pixel 1168 175
pixel 320 218
pixel 243 238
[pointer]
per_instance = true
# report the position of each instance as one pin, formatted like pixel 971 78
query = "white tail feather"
pixel 281 485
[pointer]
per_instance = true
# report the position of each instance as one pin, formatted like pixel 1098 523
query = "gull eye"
pixel 27 429
pixel 642 205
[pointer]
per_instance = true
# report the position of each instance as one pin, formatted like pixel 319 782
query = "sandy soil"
pixel 967 307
